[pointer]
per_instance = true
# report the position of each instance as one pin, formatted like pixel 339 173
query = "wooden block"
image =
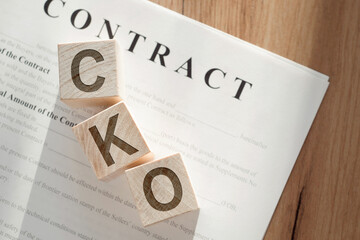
pixel 161 189
pixel 112 141
pixel 90 73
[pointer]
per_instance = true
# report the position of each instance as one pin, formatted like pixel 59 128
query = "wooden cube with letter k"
pixel 112 141
pixel 90 73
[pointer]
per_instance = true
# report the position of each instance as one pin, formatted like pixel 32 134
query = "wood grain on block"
pixel 112 141
pixel 161 189
pixel 90 73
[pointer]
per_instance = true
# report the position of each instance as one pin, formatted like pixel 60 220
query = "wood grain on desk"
pixel 322 197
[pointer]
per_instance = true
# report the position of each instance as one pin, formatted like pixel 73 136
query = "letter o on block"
pixel 149 183
pixel 149 194
pixel 90 73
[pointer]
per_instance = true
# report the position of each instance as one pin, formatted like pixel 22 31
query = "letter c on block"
pixel 150 195
pixel 75 67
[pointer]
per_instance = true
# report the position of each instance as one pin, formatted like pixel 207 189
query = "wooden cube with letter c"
pixel 161 189
pixel 112 141
pixel 90 73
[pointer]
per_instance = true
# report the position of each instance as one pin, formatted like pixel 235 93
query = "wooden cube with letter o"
pixel 161 189
pixel 90 73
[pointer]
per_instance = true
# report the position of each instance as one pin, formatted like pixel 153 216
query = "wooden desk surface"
pixel 322 197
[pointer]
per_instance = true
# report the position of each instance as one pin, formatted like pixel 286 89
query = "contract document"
pixel 237 113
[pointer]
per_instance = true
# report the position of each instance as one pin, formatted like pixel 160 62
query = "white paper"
pixel 238 152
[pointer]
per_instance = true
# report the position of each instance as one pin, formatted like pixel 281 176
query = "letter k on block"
pixel 104 145
pixel 111 147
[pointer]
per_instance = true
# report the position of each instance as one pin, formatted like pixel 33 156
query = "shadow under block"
pixel 161 189
pixel 90 73
pixel 112 141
